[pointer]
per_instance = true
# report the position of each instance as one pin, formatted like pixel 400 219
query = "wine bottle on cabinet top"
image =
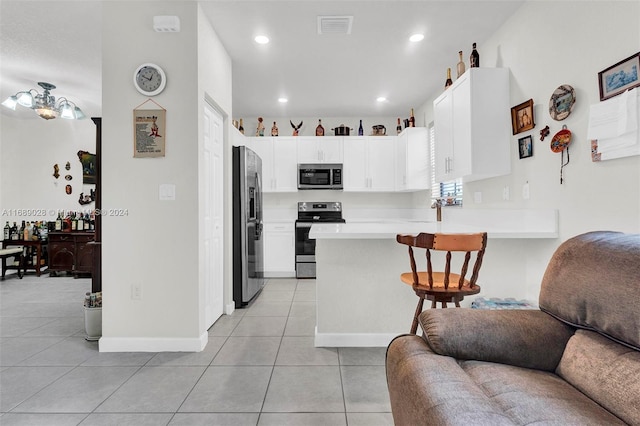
pixel 448 82
pixel 474 59
pixel 460 67
pixel 360 129
pixel 399 127
pixel 319 129
pixel 412 119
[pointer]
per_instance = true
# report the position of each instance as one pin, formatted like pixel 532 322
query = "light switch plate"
pixel 477 197
pixel 167 192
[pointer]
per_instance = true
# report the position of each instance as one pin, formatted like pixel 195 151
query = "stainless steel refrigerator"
pixel 248 248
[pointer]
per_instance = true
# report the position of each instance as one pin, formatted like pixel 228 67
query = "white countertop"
pixel 497 224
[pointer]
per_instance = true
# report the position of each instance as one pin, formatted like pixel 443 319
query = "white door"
pixel 213 215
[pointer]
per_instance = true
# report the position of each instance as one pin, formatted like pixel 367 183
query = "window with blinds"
pixel 451 191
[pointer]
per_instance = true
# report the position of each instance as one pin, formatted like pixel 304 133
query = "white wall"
pixel 155 245
pixel 30 148
pixel 546 44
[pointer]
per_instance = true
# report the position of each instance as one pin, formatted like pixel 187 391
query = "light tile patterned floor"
pixel 259 368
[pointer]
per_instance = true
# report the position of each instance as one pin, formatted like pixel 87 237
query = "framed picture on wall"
pixel 149 132
pixel 619 77
pixel 88 162
pixel 522 117
pixel 525 147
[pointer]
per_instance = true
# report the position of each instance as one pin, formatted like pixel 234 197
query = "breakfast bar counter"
pixel 360 298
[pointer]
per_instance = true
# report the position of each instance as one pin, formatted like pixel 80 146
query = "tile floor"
pixel 259 368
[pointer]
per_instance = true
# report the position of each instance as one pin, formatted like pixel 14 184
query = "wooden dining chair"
pixel 444 287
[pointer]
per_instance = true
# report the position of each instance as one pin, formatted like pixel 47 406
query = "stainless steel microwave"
pixel 319 176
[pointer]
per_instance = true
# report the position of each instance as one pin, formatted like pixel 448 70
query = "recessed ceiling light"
pixel 416 37
pixel 381 99
pixel 262 39
pixel 283 100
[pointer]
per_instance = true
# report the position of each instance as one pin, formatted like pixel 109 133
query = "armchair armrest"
pixel 524 338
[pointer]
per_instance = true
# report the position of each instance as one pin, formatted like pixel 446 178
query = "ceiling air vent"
pixel 335 24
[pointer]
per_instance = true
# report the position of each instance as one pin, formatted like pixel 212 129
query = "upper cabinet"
pixel 369 163
pixel 473 126
pixel 325 149
pixel 279 164
pixel 412 160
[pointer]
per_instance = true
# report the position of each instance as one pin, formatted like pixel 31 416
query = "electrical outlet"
pixel 506 193
pixel 525 191
pixel 136 291
pixel 477 197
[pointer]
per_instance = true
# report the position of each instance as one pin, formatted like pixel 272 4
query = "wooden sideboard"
pixel 71 252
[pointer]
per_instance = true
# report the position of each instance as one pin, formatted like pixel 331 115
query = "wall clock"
pixel 149 79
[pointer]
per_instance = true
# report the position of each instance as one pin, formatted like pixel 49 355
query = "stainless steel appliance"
pixel 319 176
pixel 248 251
pixel 308 214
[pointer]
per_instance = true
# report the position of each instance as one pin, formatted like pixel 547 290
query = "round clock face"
pixel 149 79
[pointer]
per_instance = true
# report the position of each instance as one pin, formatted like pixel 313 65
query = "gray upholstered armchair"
pixel 574 362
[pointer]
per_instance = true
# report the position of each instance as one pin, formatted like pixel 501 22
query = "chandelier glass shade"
pixel 45 104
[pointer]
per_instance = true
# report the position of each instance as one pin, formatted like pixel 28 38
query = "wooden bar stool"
pixel 443 287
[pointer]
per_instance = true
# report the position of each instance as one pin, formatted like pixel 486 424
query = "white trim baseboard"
pixel 230 308
pixel 341 340
pixel 153 344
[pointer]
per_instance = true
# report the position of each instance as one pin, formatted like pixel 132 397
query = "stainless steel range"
pixel 308 214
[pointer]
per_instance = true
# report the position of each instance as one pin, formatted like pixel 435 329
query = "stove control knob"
pixel 303 207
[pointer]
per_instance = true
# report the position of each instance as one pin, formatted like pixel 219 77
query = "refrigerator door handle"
pixel 259 222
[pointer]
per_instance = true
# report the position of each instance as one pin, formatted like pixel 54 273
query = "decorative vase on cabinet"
pixel 472 126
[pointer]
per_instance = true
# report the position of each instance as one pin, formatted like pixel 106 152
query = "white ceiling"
pixel 321 75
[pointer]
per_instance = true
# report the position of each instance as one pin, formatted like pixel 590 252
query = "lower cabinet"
pixel 70 252
pixel 279 250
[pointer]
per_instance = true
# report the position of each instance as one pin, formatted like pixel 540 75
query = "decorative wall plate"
pixel 561 102
pixel 561 140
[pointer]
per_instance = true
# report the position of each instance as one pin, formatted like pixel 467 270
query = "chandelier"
pixel 45 105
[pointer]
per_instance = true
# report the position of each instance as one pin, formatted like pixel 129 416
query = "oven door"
pixel 305 251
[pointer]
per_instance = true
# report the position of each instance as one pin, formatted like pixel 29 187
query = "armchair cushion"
pixel 592 282
pixel 604 371
pixel 523 338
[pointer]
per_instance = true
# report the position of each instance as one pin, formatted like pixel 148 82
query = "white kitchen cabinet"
pixel 369 163
pixel 279 164
pixel 320 150
pixel 473 126
pixel 279 249
pixel 413 162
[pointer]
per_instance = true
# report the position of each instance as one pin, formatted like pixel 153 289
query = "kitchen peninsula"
pixel 360 299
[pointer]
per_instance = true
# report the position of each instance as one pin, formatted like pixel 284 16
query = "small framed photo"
pixel 522 117
pixel 525 147
pixel 619 77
